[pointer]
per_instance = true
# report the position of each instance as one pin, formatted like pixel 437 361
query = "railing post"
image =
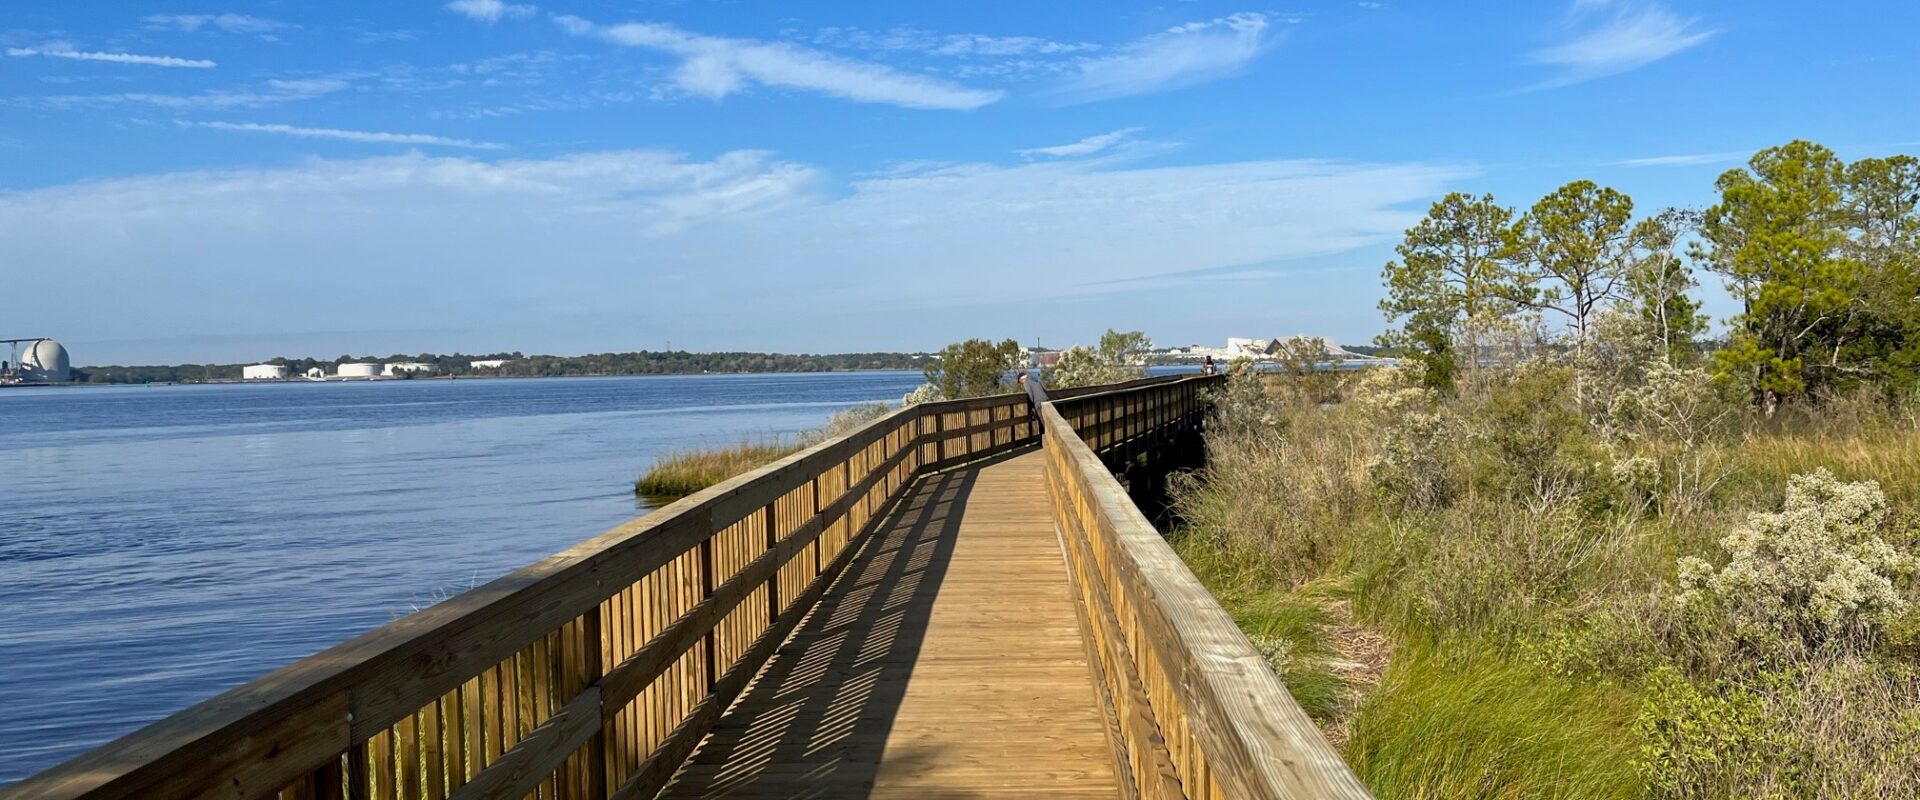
pixel 706 591
pixel 359 777
pixel 593 660
pixel 817 566
pixel 773 581
pixel 940 439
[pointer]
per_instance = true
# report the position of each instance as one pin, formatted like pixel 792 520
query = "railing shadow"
pixel 815 723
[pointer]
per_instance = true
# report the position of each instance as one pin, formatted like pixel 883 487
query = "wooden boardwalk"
pixel 948 662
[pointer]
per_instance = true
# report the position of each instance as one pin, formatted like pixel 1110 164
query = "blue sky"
pixel 232 182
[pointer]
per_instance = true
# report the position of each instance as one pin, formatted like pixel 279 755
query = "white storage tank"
pixel 45 361
pixel 403 367
pixel 263 372
pixel 360 370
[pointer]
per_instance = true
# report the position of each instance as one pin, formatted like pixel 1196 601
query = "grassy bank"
pixel 679 473
pixel 1581 597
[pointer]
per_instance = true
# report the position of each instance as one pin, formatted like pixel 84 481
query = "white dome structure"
pixel 45 361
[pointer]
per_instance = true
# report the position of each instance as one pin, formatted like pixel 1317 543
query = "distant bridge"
pixel 958 600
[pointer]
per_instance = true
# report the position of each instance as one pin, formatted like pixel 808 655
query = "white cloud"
pixel 1684 160
pixel 978 45
pixel 714 67
pixel 1084 147
pixel 117 58
pixel 271 93
pixel 956 44
pixel 490 11
pixel 230 23
pixel 1616 37
pixel 660 241
pixel 1180 56
pixel 374 137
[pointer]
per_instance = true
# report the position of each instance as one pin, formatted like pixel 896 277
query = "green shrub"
pixel 1846 728
pixel 1704 743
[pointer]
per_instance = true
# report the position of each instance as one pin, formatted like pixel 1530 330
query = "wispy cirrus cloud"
pixel 229 23
pixel 714 67
pixel 116 58
pixel 1085 147
pixel 1684 159
pixel 490 11
pixel 1180 56
pixel 907 39
pixel 273 92
pixel 1615 36
pixel 370 137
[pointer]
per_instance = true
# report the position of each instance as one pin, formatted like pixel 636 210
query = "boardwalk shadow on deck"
pixel 815 724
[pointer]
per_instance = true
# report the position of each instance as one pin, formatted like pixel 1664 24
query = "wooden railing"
pixel 590 674
pixel 1195 711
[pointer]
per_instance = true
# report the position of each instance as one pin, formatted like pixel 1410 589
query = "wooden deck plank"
pixel 946 663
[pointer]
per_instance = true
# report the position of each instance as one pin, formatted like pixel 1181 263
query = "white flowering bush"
pixel 1819 567
pixel 1679 405
pixel 1243 409
pixel 1388 391
pixel 1673 417
pixel 924 393
pixel 1416 467
pixel 1082 366
pixel 1637 478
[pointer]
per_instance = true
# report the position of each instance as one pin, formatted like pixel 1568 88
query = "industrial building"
pixel 264 372
pixel 35 361
pixel 405 367
pixel 357 370
pixel 487 363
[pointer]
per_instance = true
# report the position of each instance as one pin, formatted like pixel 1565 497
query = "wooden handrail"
pixel 1198 712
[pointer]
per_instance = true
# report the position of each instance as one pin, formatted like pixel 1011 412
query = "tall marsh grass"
pixel 679 473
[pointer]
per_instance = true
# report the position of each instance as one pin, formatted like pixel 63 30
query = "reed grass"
pixel 679 473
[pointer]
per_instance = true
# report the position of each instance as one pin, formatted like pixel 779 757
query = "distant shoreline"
pixel 440 378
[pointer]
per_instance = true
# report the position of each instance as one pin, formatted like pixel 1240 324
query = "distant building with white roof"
pixel 405 367
pixel 487 363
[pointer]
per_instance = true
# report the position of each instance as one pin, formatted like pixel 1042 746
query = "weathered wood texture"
pixel 946 662
pixel 588 674
pixel 1199 713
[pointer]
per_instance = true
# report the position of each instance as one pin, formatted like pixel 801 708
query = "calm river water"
pixel 161 544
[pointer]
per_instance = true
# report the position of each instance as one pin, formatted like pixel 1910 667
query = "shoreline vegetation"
pixel 1606 559
pixel 681 472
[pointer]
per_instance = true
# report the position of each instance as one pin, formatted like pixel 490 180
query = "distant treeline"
pixel 678 362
